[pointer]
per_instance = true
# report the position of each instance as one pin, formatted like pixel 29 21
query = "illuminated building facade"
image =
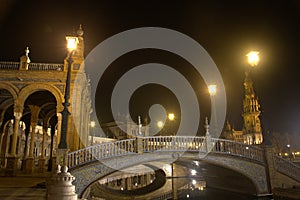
pixel 31 101
pixel 252 131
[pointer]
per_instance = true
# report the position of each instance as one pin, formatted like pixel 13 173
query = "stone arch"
pixel 87 174
pixel 3 107
pixel 253 170
pixel 29 89
pixel 11 88
pixel 5 141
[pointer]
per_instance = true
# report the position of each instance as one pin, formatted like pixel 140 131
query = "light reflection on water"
pixel 174 188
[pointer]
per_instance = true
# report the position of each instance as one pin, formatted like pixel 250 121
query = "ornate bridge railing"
pixel 237 149
pixel 286 167
pixel 101 151
pixel 174 143
pixel 163 143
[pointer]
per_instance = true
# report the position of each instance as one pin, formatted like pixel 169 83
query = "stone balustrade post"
pixel 139 145
pixel 208 143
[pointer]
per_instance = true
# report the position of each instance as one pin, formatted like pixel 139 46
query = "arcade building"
pixel 31 102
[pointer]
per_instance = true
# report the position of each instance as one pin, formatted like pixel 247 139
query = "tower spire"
pixel 251 112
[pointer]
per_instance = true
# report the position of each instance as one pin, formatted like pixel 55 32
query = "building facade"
pixel 116 128
pixel 31 102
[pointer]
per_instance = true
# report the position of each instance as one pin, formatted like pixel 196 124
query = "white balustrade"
pixel 238 149
pixel 164 143
pixel 287 167
pixel 101 151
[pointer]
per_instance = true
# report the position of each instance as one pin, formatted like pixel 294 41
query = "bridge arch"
pixel 89 173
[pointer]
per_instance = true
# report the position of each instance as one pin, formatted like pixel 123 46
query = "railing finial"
pixel 206 126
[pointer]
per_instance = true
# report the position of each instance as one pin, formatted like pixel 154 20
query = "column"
pixel 29 161
pixel 18 116
pixel 42 159
pixel 32 134
pixel 13 160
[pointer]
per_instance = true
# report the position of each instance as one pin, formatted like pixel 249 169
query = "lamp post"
pixel 212 90
pixel 71 45
pixel 289 151
pixel 253 133
pixel 171 118
pixel 160 124
pixel 93 124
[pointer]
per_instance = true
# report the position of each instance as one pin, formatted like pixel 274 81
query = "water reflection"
pixel 174 188
pixel 176 181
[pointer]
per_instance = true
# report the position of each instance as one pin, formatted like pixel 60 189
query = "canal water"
pixel 173 188
pixel 183 179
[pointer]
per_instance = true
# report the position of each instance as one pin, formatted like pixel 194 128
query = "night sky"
pixel 226 29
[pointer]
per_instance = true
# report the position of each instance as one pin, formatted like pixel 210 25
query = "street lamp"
pixel 253 58
pixel 212 90
pixel 71 45
pixel 93 124
pixel 160 124
pixel 289 151
pixel 171 116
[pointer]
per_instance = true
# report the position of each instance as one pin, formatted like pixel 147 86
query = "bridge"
pixel 257 163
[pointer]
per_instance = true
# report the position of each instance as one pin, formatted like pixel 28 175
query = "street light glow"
pixel 93 124
pixel 171 116
pixel 71 42
pixel 193 172
pixel 212 89
pixel 160 124
pixel 253 58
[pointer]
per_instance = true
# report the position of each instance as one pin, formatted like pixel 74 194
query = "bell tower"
pixel 251 112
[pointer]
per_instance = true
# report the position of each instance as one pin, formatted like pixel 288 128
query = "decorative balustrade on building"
pixel 9 65
pixel 45 67
pixel 32 66
pixel 286 167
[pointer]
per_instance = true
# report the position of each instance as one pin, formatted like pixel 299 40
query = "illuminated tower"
pixel 251 112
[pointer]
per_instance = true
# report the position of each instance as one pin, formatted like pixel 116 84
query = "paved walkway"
pixel 23 187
